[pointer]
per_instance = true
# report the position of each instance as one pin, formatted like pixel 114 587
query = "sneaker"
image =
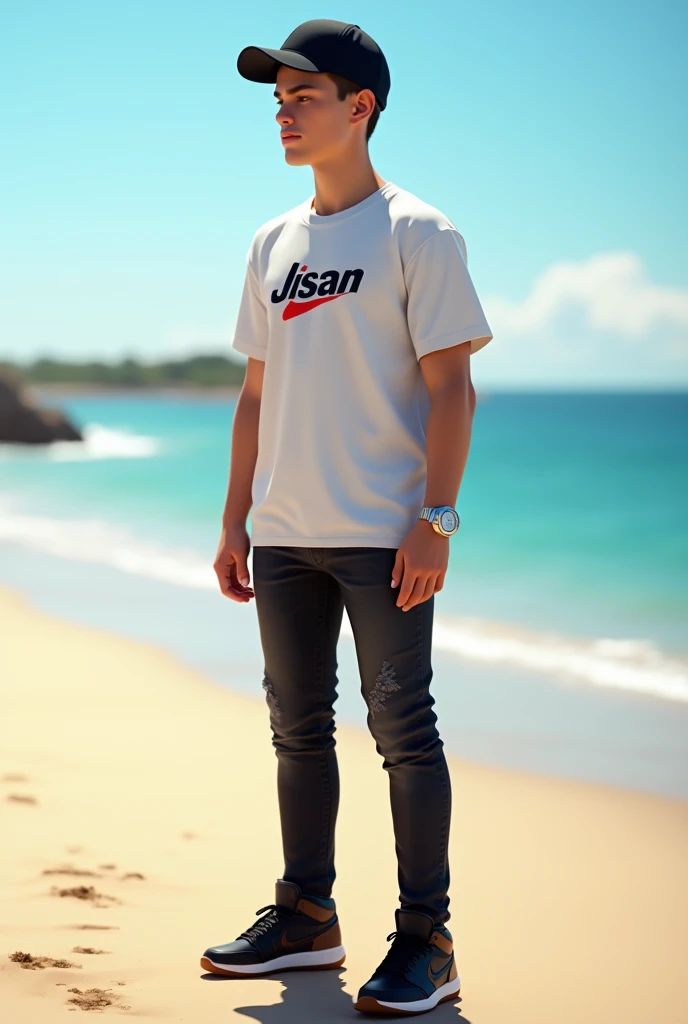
pixel 298 932
pixel 418 971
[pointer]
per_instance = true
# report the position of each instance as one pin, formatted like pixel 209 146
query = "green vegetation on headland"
pixel 202 371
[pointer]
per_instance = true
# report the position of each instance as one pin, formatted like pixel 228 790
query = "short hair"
pixel 344 88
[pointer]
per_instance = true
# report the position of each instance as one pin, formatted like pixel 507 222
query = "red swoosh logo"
pixel 293 309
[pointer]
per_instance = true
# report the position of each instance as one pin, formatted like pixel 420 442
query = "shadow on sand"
pixel 318 997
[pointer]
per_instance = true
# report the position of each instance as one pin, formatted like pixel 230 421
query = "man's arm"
pixel 446 323
pixel 231 560
pixel 244 450
pixel 422 558
pixel 447 375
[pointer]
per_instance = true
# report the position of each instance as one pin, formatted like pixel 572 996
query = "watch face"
pixel 448 520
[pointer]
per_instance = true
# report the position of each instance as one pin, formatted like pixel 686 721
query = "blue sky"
pixel 137 165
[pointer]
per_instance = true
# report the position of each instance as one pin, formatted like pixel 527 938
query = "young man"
pixel 350 438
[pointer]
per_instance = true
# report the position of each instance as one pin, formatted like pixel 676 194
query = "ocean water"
pixel 567 581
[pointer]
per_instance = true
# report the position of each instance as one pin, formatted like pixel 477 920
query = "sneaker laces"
pixel 276 912
pixel 405 951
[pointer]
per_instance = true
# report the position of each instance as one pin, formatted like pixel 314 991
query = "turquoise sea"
pixel 561 640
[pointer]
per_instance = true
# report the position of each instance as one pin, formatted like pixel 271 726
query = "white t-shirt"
pixel 341 308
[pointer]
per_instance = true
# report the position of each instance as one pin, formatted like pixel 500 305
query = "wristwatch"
pixel 444 519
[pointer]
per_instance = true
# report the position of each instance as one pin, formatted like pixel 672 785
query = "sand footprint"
pixel 18 798
pixel 38 963
pixel 87 999
pixel 86 892
pixel 96 999
pixel 69 869
pixel 94 927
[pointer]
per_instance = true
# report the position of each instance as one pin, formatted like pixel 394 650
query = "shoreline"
pixel 137 761
pixel 501 715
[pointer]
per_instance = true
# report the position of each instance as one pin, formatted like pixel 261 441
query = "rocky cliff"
pixel 23 422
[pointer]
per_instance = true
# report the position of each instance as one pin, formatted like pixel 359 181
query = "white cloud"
pixel 597 321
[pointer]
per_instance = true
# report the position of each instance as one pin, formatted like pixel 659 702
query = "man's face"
pixel 315 125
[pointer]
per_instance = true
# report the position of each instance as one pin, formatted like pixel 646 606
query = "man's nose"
pixel 283 116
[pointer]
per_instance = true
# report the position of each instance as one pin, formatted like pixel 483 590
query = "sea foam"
pixel 99 442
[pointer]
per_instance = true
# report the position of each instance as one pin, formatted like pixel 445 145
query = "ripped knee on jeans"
pixel 385 684
pixel 271 697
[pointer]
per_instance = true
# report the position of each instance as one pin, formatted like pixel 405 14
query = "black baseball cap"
pixel 323 45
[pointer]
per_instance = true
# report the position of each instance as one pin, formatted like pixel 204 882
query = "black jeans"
pixel 300 595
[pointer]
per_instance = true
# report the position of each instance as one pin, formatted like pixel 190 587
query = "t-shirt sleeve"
pixel 251 332
pixel 443 307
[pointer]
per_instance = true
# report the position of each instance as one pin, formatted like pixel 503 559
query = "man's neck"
pixel 343 184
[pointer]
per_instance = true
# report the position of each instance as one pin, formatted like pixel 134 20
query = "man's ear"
pixel 364 105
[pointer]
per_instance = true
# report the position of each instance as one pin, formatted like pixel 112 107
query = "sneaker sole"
pixel 317 960
pixel 446 992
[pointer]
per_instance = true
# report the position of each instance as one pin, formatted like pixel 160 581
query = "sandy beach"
pixel 140 825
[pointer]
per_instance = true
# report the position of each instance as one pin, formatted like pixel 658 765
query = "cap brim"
pixel 261 65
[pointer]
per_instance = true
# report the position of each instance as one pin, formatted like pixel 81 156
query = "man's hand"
pixel 230 564
pixel 421 565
